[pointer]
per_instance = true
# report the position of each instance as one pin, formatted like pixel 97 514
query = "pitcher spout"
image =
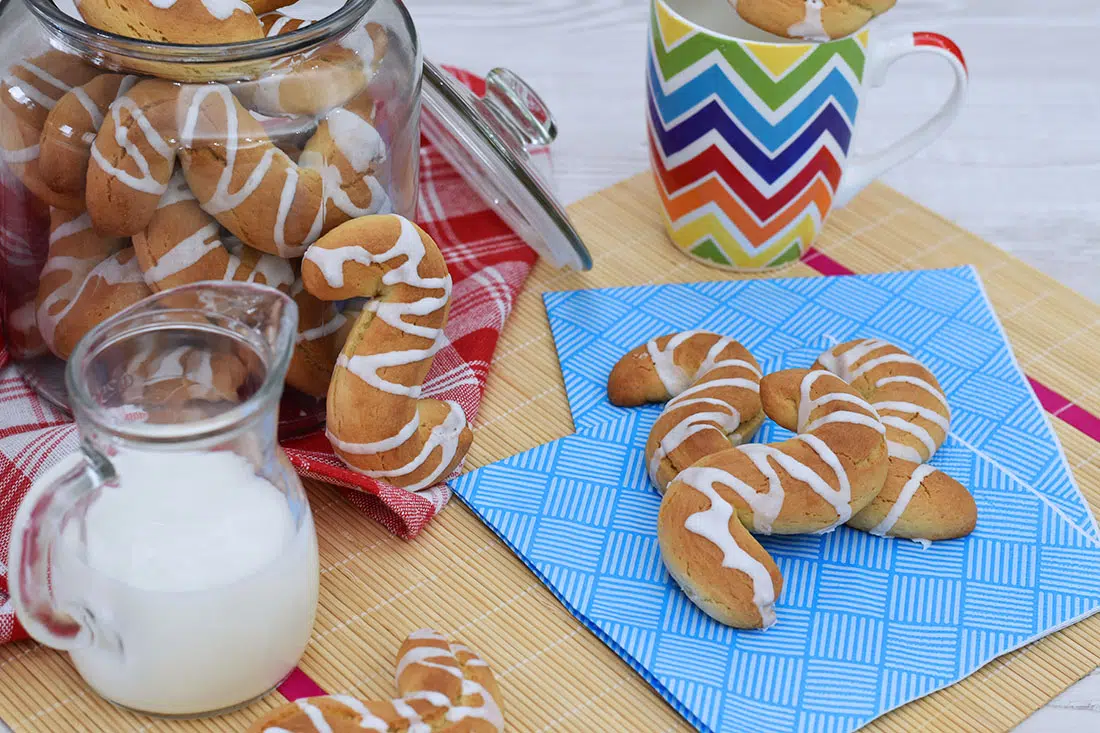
pixel 268 313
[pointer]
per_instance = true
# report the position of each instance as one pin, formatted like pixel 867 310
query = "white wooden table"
pixel 1021 166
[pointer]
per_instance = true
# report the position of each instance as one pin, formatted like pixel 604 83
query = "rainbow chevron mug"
pixel 749 133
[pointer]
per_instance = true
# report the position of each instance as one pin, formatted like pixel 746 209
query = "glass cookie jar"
pixel 133 166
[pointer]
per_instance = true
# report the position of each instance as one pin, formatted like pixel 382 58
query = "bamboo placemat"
pixel 458 578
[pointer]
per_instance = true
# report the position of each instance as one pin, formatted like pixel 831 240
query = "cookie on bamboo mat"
pixel 442 687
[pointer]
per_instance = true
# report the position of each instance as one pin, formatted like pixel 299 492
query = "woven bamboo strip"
pixel 459 578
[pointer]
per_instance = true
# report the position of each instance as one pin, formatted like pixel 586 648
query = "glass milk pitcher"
pixel 174 555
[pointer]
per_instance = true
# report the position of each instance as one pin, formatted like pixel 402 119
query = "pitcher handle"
pixel 37 526
pixel 862 169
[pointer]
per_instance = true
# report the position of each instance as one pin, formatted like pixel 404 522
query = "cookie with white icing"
pixel 178 377
pixel 810 20
pixel 918 502
pixel 378 422
pixel 710 554
pixel 819 479
pixel 175 21
pixel 712 387
pixel 904 392
pixel 444 687
pixel 314 81
pixel 132 160
pixel 183 244
pixel 112 286
pixel 29 90
pixel 75 251
pixel 71 127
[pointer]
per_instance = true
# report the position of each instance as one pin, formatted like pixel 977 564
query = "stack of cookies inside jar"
pixel 150 144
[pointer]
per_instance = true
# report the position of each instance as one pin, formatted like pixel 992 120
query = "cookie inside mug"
pixel 719 17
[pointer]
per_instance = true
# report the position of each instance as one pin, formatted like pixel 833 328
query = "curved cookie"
pixel 904 392
pixel 377 421
pixel 831 470
pixel 75 251
pixel 315 81
pixel 28 92
pixel 714 386
pixel 444 687
pixel 183 244
pixel 70 129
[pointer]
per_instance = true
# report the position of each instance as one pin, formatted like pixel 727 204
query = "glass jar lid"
pixel 489 140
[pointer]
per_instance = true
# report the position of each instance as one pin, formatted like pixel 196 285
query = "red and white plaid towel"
pixel 488 264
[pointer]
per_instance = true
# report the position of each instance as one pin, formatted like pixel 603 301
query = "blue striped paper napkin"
pixel 865 623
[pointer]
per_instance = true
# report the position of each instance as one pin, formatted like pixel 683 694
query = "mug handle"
pixel 862 169
pixel 37 525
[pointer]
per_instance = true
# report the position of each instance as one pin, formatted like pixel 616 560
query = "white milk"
pixel 197 565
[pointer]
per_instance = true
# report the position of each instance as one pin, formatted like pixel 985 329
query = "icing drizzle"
pixel 316 717
pixel 675 379
pixel 327 328
pixel 23 91
pixel 713 525
pixel 187 253
pixel 726 422
pixel 806 406
pixel 20 156
pixel 218 9
pixel 811 27
pixel 206 240
pixel 898 415
pixel 145 182
pixel 684 387
pixel 766 506
pixel 366 367
pixel 367 719
pixel 445 435
pixel 80 271
pixel 95 114
pixel 908 491
pixel 487 711
pixel 422 655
